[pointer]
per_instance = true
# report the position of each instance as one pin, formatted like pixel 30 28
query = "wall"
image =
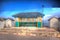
pixel 8 23
pixel 39 19
pixel 28 20
pixel 54 23
pixel 1 24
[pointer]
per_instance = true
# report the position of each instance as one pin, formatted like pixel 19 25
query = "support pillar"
pixel 17 22
pixel 39 22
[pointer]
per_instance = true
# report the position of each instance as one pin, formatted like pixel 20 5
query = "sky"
pixel 11 7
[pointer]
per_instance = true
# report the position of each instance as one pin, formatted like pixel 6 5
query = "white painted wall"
pixel 1 24
pixel 54 23
pixel 7 23
pixel 10 23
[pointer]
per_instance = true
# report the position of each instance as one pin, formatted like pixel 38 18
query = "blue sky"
pixel 9 8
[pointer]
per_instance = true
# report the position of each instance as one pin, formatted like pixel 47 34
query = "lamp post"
pixel 42 12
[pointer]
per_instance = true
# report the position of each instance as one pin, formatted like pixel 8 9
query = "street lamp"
pixel 42 12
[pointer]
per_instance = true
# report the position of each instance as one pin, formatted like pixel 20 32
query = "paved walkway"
pixel 15 37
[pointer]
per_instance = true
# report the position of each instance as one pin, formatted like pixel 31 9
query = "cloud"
pixel 51 10
pixel 46 17
pixel 45 20
pixel 32 10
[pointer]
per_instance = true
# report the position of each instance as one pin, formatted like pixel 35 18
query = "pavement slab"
pixel 16 37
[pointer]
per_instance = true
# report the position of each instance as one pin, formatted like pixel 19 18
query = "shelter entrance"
pixel 26 24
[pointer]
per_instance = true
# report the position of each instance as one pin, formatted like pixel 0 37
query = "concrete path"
pixel 15 37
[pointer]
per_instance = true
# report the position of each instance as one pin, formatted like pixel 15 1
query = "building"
pixel 6 22
pixel 54 22
pixel 9 22
pixel 28 19
pixel 2 22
